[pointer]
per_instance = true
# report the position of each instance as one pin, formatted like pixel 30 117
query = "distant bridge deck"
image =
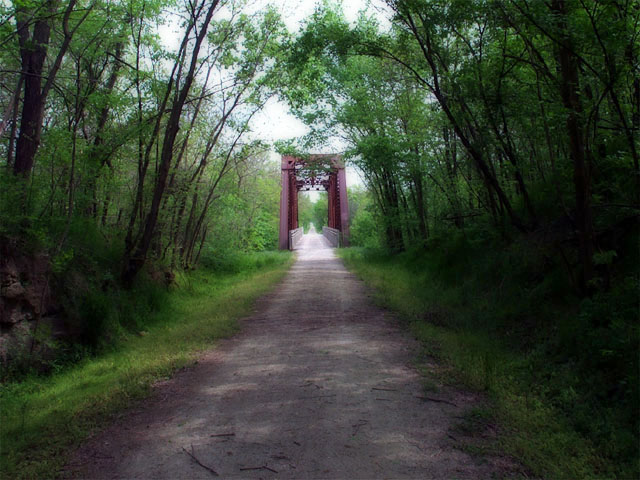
pixel 329 238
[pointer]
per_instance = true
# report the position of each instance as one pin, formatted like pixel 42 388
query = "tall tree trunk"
pixel 432 58
pixel 98 142
pixel 135 262
pixel 33 52
pixel 635 122
pixel 14 123
pixel 570 93
pixel 422 215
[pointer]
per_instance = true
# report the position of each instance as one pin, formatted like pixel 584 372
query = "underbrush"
pixel 237 262
pixel 153 332
pixel 86 296
pixel 562 372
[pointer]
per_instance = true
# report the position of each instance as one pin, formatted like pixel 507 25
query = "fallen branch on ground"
pixel 437 400
pixel 192 455
pixel 263 467
pixel 356 427
pixel 317 396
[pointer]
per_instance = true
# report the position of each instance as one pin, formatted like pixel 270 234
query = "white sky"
pixel 275 122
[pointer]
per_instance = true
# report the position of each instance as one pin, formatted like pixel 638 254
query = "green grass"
pixel 502 333
pixel 43 418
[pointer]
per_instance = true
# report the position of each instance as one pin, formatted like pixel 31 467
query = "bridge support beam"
pixel 317 172
pixel 288 201
pixel 344 207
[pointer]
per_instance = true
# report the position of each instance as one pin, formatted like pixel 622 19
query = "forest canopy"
pixel 527 113
pixel 111 129
pixel 499 141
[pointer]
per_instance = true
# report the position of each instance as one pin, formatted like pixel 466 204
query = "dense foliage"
pixel 113 125
pixel 126 158
pixel 126 145
pixel 525 113
pixel 500 139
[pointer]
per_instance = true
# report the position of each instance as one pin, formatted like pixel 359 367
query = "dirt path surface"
pixel 319 384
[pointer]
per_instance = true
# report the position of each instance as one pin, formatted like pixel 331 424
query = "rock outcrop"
pixel 25 297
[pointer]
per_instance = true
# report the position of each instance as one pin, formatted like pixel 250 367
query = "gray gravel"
pixel 320 383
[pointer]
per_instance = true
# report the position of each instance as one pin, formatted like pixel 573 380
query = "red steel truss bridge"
pixel 321 172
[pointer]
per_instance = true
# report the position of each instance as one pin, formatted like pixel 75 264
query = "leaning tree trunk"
pixel 134 262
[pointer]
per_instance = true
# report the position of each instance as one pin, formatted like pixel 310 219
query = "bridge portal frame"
pixel 317 172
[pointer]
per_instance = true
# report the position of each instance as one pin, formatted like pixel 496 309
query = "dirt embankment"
pixel 26 301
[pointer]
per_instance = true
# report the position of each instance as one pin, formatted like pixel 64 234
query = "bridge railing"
pixel 332 235
pixel 295 236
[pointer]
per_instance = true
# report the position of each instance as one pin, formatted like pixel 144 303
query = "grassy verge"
pixel 513 338
pixel 44 417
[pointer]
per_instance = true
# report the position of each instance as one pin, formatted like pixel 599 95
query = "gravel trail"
pixel 318 384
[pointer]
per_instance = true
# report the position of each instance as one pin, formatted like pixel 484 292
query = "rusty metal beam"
pixel 343 206
pixel 316 172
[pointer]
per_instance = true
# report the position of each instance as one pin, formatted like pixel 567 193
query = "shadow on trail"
pixel 318 384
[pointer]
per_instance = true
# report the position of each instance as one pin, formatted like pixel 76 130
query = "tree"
pixel 33 27
pixel 150 171
pixel 453 114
